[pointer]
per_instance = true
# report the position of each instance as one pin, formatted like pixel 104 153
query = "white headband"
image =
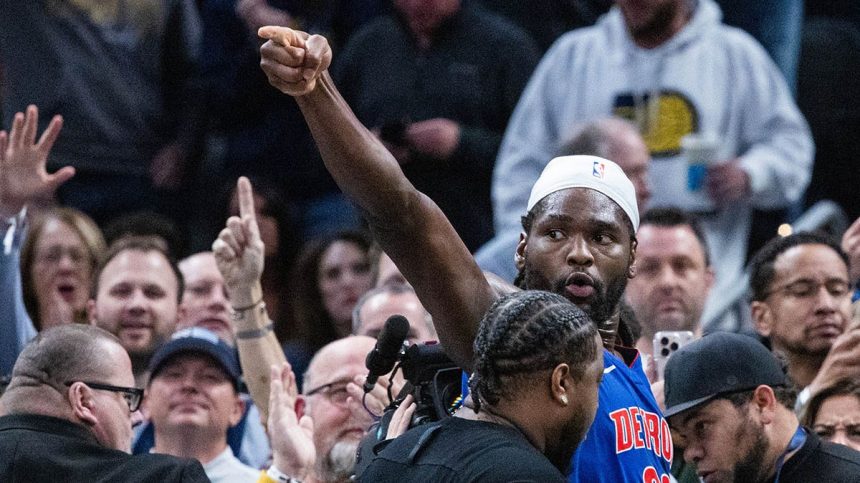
pixel 587 172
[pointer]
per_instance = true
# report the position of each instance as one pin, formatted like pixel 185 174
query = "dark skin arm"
pixel 409 226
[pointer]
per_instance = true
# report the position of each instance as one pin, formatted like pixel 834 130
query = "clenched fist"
pixel 292 60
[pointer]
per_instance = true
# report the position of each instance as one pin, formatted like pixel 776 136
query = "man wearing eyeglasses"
pixel 193 399
pixel 69 410
pixel 801 301
pixel 339 423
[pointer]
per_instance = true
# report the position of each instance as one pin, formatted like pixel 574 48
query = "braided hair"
pixel 526 332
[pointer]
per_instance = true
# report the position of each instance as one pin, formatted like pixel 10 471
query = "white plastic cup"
pixel 700 150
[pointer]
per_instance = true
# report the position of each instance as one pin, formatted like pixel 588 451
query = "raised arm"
pixel 407 224
pixel 239 254
pixel 23 179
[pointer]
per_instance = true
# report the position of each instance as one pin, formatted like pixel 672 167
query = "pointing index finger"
pixel 246 200
pixel 283 36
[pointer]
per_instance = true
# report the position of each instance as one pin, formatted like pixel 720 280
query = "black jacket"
pixel 819 460
pixel 37 448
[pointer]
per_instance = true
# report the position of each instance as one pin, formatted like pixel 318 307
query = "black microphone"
pixel 384 355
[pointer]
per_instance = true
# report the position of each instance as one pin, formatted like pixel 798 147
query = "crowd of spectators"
pixel 210 210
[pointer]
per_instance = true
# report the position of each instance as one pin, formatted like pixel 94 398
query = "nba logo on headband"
pixel 591 172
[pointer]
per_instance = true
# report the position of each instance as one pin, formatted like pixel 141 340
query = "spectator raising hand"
pixel 239 253
pixel 293 451
pixel 842 362
pixel 851 246
pixel 23 177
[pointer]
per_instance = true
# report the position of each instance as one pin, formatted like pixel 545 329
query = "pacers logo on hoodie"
pixel 663 117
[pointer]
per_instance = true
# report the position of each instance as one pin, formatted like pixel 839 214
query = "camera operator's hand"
pixel 293 450
pixel 377 399
pixel 401 418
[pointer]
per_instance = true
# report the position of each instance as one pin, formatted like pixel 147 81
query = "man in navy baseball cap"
pixel 201 341
pixel 192 399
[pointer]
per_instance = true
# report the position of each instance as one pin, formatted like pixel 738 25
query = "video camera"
pixel 431 377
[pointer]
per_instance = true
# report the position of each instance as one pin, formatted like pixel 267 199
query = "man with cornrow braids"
pixel 536 373
pixel 579 242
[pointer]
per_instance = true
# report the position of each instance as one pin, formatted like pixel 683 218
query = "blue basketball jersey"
pixel 629 440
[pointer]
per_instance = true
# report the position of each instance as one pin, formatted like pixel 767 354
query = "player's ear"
pixel 520 254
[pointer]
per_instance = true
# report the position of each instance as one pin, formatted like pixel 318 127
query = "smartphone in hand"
pixel 666 343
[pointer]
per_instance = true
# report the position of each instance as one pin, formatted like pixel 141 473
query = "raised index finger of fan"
pixel 246 200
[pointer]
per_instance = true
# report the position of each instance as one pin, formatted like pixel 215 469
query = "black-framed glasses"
pixel 132 395
pixel 334 391
pixel 808 288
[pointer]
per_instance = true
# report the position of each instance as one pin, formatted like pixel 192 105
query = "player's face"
pixel 580 247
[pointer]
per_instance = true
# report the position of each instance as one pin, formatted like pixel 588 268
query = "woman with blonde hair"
pixel 58 260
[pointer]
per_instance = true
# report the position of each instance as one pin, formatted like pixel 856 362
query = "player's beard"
pixel 603 302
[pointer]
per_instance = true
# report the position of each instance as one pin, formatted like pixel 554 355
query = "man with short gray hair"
pixel 69 411
pixel 376 306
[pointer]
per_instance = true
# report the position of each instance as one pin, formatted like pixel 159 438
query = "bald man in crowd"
pixel 376 306
pixel 204 300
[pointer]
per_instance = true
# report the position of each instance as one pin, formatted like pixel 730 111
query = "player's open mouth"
pixel 579 285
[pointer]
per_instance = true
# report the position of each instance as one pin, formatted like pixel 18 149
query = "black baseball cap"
pixel 198 340
pixel 716 364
